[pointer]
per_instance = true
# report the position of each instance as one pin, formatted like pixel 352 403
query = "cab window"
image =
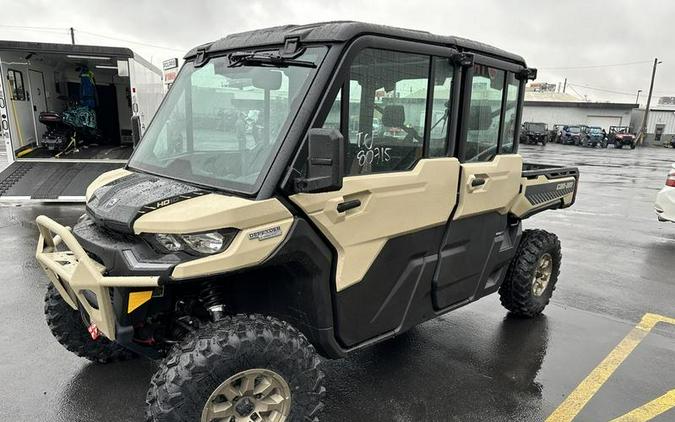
pixel 387 111
pixel 440 109
pixel 509 127
pixel 485 114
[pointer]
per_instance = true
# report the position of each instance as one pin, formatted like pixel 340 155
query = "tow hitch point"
pixel 93 331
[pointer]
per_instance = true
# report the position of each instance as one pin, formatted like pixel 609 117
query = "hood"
pixel 117 204
pixel 625 135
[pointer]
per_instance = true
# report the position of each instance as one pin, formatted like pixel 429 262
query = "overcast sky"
pixel 551 35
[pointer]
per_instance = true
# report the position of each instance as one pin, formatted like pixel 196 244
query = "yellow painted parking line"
pixel 650 410
pixel 581 395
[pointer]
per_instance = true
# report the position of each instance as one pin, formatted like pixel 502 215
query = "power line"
pixel 602 89
pixel 131 42
pixel 34 28
pixel 94 34
pixel 594 66
pixel 628 94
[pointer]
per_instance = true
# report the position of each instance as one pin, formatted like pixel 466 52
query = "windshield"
pixel 596 130
pixel 537 127
pixel 221 124
pixel 574 129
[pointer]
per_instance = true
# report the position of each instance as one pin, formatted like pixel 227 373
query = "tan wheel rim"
pixel 255 395
pixel 542 274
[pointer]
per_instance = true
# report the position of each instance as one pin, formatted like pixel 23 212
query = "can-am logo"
pixel 561 186
pixel 265 234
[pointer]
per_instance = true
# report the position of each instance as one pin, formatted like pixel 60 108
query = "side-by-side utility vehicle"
pixel 534 133
pixel 304 191
pixel 592 136
pixel 621 136
pixel 570 135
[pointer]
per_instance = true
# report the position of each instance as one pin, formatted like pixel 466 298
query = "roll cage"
pixel 333 72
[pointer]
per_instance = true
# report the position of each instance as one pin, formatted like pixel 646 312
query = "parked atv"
pixel 621 136
pixel 592 136
pixel 534 133
pixel 236 256
pixel 571 135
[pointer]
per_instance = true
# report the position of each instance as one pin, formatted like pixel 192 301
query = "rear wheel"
pixel 532 275
pixel 68 328
pixel 243 368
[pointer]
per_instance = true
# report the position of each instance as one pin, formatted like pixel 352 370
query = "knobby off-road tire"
pixel 193 374
pixel 522 292
pixel 68 328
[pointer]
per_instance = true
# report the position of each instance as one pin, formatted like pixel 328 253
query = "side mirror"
pixel 325 162
pixel 135 129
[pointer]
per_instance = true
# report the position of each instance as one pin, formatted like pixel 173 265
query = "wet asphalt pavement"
pixel 476 363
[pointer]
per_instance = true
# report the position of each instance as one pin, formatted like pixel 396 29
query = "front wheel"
pixel 532 274
pixel 242 368
pixel 68 328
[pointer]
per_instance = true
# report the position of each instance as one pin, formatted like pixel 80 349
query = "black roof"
pixel 341 31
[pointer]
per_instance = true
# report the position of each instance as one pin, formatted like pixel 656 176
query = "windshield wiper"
pixel 273 59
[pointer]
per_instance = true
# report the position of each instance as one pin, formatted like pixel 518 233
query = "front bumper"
pixel 73 272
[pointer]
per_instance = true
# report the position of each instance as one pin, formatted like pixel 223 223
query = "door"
pixel 479 241
pixel 658 132
pixel 20 112
pixel 38 99
pixel 400 185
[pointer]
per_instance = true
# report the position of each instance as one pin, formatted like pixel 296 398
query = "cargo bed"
pixel 545 187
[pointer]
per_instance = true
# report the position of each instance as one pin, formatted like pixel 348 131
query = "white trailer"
pixel 42 77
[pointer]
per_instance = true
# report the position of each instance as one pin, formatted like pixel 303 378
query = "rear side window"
pixel 485 111
pixel 509 127
pixel 16 86
pixel 387 111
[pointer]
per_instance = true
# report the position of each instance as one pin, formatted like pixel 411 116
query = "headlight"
pixel 202 243
pixel 206 243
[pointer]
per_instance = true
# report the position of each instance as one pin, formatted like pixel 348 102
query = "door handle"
pixel 348 205
pixel 477 182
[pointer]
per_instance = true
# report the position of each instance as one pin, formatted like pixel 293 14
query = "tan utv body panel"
pixel 541 192
pixel 502 185
pixel 104 179
pixel 213 212
pixel 392 204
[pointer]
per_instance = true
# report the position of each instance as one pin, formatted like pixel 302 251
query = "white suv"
pixel 665 199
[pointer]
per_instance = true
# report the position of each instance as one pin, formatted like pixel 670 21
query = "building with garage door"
pixel 560 108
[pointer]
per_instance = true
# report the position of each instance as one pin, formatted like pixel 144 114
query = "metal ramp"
pixel 50 181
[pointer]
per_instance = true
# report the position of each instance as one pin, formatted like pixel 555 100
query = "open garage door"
pixel 605 121
pixel 49 181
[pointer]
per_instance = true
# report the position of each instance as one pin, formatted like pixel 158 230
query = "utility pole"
pixel 637 99
pixel 565 85
pixel 72 35
pixel 643 128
